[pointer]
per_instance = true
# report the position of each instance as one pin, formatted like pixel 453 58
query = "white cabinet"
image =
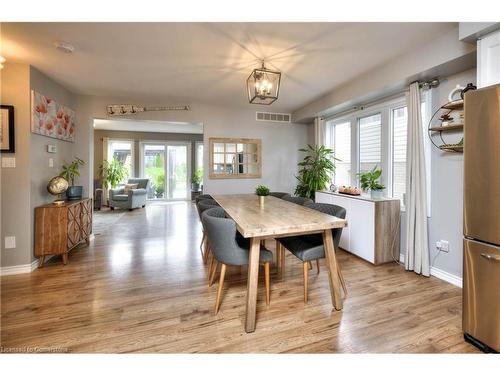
pixel 488 59
pixel 373 226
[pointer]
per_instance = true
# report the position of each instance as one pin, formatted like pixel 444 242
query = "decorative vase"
pixel 376 194
pixel 74 193
pixel 262 200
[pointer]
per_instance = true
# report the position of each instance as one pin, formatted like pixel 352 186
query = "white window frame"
pixel 329 134
pixel 123 140
pixel 196 166
pixel 385 109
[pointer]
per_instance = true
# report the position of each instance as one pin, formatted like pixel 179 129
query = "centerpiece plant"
pixel 262 191
pixel 370 181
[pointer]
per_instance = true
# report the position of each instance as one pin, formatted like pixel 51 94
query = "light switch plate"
pixel 51 163
pixel 10 242
pixel 8 162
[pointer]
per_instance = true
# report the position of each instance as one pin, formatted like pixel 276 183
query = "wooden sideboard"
pixel 373 226
pixel 58 229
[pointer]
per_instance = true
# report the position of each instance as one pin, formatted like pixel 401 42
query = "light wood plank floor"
pixel 141 287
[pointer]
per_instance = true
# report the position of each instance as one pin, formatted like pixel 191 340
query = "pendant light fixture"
pixel 263 86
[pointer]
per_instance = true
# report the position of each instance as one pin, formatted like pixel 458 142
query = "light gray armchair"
pixel 135 198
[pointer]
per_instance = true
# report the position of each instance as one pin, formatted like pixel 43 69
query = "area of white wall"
pixel 280 142
pixel 447 173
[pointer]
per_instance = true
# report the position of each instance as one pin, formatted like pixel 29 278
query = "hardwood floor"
pixel 141 286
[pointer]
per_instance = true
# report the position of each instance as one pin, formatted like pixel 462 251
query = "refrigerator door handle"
pixel 491 257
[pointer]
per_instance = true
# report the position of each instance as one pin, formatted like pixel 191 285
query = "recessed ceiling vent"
pixel 273 117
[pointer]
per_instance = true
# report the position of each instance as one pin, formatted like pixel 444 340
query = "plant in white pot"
pixel 370 181
pixel 262 191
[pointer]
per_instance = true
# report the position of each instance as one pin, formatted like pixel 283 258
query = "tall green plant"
pixel 70 171
pixel 112 173
pixel 316 170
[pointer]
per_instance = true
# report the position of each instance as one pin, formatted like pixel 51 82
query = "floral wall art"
pixel 51 119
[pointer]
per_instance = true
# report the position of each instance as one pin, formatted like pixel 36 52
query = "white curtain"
pixel 319 131
pixel 417 250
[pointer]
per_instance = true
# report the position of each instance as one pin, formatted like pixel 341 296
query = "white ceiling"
pixel 209 62
pixel 148 126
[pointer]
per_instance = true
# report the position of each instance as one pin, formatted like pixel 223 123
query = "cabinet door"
pixel 488 67
pixel 86 218
pixel 74 225
pixel 322 198
pixel 362 229
pixel 343 202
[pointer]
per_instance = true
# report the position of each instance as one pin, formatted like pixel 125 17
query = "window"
pixel 340 141
pixel 376 136
pixel 370 142
pixel 399 119
pixel 123 151
pixel 199 156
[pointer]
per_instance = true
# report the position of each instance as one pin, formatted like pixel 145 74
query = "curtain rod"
pixel 425 85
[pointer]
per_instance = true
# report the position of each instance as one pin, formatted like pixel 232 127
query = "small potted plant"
pixel 69 173
pixel 370 181
pixel 262 191
pixel 196 179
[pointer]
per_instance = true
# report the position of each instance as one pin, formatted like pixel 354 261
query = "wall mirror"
pixel 235 158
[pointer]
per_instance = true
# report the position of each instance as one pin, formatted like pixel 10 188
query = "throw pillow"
pixel 129 187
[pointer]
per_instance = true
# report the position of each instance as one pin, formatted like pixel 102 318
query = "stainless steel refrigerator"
pixel 481 276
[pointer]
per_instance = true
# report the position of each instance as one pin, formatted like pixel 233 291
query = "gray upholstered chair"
pixel 202 206
pixel 201 197
pixel 227 250
pixel 134 198
pixel 310 247
pixel 278 194
pixel 297 200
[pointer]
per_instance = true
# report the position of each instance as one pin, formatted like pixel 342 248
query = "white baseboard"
pixel 22 268
pixel 440 274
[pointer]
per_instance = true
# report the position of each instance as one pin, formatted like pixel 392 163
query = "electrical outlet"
pixel 443 246
pixel 10 242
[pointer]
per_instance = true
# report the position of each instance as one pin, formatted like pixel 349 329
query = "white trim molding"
pixel 22 268
pixel 440 274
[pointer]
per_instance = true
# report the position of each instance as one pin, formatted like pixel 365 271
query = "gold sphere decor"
pixel 57 186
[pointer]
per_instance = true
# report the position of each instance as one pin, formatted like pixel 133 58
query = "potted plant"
pixel 262 191
pixel 196 179
pixel 112 173
pixel 370 181
pixel 316 170
pixel 69 173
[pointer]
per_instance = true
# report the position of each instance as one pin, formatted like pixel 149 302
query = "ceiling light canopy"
pixel 64 47
pixel 263 86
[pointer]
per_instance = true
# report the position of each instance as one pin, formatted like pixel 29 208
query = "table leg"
pixel 252 282
pixel 333 275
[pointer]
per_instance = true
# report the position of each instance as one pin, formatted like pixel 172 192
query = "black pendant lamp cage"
pixel 263 86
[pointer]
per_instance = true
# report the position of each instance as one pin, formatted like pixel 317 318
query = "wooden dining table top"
pixel 277 217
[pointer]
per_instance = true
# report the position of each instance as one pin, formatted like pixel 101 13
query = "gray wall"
pixel 15 182
pixel 138 137
pixel 280 142
pixel 40 172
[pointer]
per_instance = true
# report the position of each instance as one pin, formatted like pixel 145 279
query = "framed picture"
pixel 51 119
pixel 7 139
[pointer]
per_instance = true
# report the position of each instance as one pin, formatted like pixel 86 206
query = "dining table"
pixel 277 218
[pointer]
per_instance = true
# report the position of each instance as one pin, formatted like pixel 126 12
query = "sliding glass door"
pixel 167 165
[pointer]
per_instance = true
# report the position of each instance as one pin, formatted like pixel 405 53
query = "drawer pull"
pixel 491 257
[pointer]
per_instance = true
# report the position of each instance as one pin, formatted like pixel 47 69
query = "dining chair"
pixel 202 196
pixel 278 194
pixel 201 206
pixel 310 247
pixel 228 251
pixel 297 200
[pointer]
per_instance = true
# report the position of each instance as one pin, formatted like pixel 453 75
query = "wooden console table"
pixel 58 229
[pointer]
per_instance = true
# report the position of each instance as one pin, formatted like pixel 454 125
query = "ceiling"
pixel 185 63
pixel 149 126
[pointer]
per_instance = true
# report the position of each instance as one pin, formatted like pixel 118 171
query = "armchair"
pixel 134 198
